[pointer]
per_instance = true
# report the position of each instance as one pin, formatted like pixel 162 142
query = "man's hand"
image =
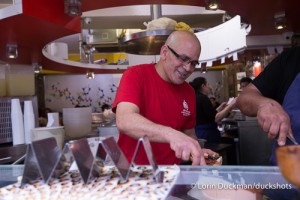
pixel 274 121
pixel 186 147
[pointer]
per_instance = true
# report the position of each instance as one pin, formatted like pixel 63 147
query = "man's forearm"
pixel 136 126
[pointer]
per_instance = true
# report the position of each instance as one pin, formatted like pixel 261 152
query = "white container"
pixel 17 122
pixel 46 132
pixel 77 122
pixel 28 121
pixel 53 119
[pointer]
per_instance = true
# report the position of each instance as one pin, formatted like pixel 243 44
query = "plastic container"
pixel 20 80
pixel 77 122
pixel 46 132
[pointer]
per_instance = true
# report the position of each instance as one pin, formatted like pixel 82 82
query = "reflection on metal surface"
pixel 41 159
pixel 44 160
pixel 146 42
pixel 159 175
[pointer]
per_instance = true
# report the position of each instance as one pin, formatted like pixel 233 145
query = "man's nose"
pixel 189 67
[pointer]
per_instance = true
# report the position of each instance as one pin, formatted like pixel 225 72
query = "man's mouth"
pixel 182 75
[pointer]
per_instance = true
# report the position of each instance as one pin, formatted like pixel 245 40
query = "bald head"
pixel 178 57
pixel 179 38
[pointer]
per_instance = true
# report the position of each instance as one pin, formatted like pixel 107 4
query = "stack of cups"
pixel 28 121
pixel 17 122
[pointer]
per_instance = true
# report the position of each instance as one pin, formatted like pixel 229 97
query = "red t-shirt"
pixel 159 101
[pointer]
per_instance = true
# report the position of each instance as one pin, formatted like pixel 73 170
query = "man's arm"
pixel 131 123
pixel 270 114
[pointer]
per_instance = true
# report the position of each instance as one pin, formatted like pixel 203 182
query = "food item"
pixel 161 23
pixel 183 26
pixel 108 185
pixel 214 159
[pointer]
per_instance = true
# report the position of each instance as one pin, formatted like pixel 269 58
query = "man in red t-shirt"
pixel 155 100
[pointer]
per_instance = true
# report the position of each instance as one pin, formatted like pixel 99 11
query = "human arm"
pixel 222 113
pixel 130 122
pixel 270 114
pixel 221 106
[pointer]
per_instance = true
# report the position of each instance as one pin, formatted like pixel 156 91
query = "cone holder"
pixel 44 160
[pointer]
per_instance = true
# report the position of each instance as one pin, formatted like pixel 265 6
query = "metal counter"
pixel 267 180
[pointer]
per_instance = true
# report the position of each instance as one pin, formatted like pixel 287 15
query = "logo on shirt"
pixel 185 111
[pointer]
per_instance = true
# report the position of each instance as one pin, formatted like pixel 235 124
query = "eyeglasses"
pixel 184 59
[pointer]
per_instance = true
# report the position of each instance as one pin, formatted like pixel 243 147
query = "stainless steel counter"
pixel 267 181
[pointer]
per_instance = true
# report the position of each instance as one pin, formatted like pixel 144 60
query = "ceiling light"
pixel 212 4
pixel 280 20
pixel 12 50
pixel 73 7
pixel 37 68
pixel 90 75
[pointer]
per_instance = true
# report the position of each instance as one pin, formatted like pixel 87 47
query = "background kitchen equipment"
pixel 5 115
pixel 77 122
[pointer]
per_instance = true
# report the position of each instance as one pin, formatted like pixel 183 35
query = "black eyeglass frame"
pixel 184 59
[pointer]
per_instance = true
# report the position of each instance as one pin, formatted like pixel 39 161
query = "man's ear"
pixel 163 52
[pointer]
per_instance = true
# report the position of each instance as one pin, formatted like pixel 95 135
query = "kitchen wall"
pixel 67 91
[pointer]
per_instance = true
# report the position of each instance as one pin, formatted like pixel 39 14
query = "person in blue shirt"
pixel 274 97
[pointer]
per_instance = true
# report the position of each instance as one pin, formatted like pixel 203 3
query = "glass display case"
pixel 210 182
pixel 232 182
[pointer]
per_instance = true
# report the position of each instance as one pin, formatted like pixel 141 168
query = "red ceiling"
pixel 45 21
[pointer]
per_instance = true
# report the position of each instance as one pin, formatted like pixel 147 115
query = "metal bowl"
pixel 288 158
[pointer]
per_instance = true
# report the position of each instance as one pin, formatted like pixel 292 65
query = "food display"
pixel 107 185
pixel 214 159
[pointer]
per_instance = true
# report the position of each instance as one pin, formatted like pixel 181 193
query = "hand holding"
pixel 274 121
pixel 186 147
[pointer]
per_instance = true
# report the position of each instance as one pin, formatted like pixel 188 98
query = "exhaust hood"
pixel 146 42
pixel 103 27
pixel 106 33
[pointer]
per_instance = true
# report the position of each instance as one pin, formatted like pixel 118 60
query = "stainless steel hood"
pixel 102 28
pixel 145 43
